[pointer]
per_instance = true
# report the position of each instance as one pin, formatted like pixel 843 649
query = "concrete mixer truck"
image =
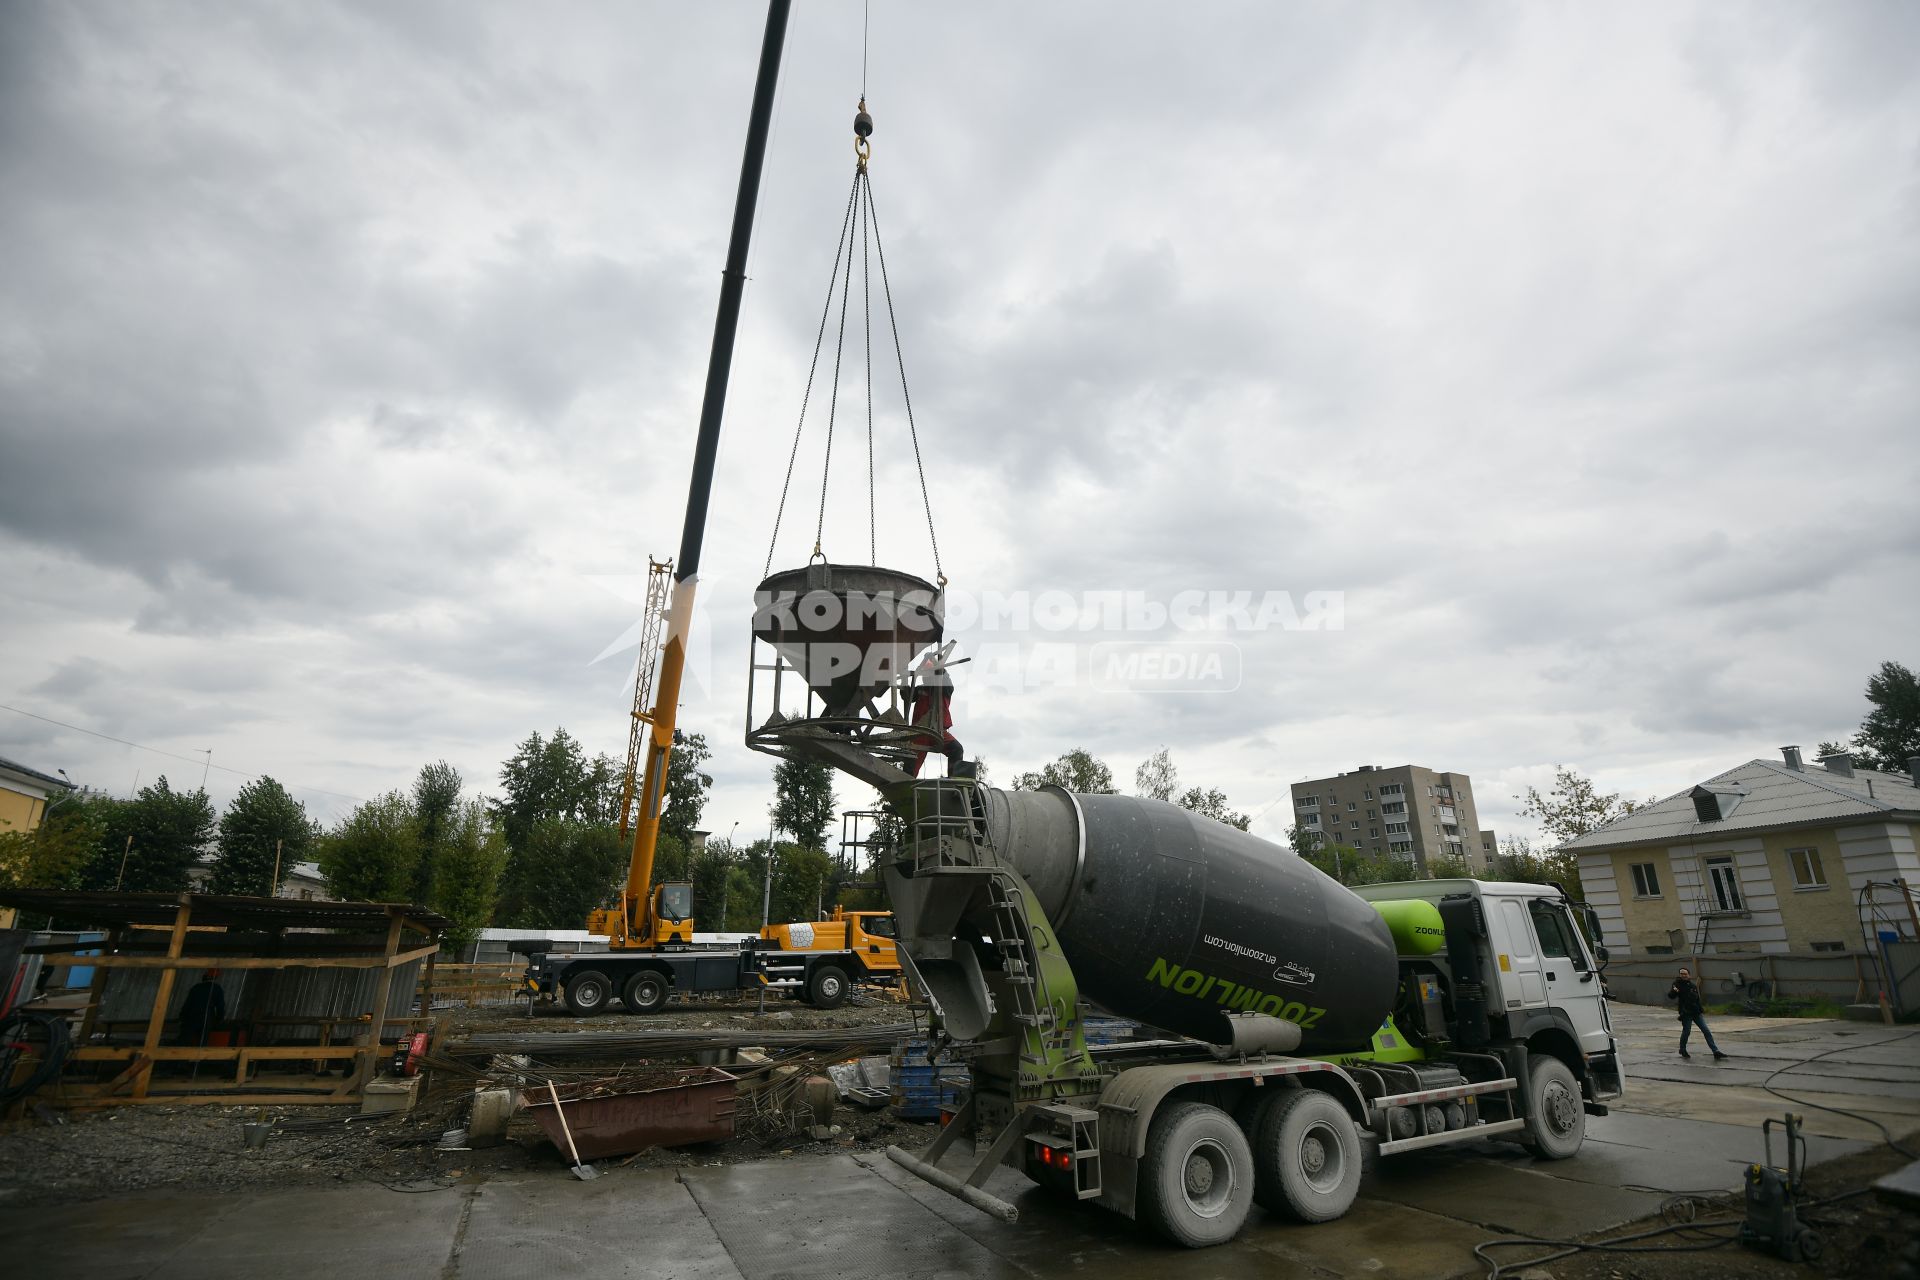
pixel 1304 1021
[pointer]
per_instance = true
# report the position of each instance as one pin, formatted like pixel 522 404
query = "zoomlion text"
pixel 1232 995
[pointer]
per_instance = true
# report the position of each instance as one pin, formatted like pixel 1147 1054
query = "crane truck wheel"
pixel 588 992
pixel 1558 1124
pixel 646 992
pixel 1306 1156
pixel 1196 1179
pixel 827 989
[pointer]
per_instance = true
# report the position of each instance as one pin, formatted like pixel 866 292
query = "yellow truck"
pixel 821 960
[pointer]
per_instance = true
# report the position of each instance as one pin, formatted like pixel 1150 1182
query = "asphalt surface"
pixel 1687 1125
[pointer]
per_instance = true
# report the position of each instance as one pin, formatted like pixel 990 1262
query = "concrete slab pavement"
pixel 1684 1127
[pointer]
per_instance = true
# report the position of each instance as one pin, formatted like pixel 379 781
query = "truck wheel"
pixel 646 992
pixel 1558 1124
pixel 588 992
pixel 827 989
pixel 1196 1179
pixel 1306 1156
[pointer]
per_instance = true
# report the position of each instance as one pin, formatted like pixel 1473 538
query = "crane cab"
pixel 666 920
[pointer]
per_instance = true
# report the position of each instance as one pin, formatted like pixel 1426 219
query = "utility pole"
pixel 273 886
pixel 766 895
pixel 123 865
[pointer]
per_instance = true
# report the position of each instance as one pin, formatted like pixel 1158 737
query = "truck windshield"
pixel 878 926
pixel 676 902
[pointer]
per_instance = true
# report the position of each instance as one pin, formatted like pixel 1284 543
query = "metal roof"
pixel 1777 796
pixel 14 766
pixel 215 909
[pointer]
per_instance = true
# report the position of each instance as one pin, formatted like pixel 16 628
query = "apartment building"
pixel 1406 811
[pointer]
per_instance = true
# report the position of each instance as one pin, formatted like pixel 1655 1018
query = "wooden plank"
pixel 369 960
pixel 157 1020
pixel 221 1053
pixel 408 957
pixel 97 988
pixel 378 1015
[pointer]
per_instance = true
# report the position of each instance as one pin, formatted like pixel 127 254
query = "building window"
pixel 1366 793
pixel 1373 833
pixel 1396 828
pixel 1391 789
pixel 1310 820
pixel 1659 951
pixel 1807 871
pixel 1726 885
pixel 1400 846
pixel 1646 880
pixel 1310 802
pixel 1370 815
pixel 1828 946
pixel 1349 806
pixel 1354 825
pixel 1397 806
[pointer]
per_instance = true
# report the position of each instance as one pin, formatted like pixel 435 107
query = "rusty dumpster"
pixel 665 1107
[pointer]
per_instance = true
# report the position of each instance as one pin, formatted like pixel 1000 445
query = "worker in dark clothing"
pixel 1692 1013
pixel 204 1009
pixel 933 710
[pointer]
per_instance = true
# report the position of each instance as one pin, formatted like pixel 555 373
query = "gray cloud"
pixel 345 350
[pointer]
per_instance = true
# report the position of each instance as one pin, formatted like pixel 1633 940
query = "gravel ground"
pixel 202 1148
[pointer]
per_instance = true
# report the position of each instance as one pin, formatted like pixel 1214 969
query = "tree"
pixel 799 883
pixel 436 806
pixel 57 853
pixel 552 778
pixel 1077 771
pixel 1446 867
pixel 803 805
pixel 1156 778
pixel 470 853
pixel 565 869
pixel 1890 735
pixel 687 785
pixel 169 830
pixel 1520 859
pixel 373 854
pixel 1212 803
pixel 1572 807
pixel 261 817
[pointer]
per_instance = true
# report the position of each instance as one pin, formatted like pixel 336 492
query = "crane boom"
pixel 635 923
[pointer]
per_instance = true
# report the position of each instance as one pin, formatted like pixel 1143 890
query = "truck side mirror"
pixel 1600 956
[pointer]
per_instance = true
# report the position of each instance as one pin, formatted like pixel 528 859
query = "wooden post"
pixel 1913 912
pixel 382 989
pixel 273 887
pixel 157 1020
pixel 123 864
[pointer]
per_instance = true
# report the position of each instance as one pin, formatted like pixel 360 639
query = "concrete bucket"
pixel 850 631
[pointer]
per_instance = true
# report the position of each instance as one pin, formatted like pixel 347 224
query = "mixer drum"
pixel 1177 919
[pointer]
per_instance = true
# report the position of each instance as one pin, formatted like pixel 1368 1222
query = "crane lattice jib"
pixel 653 618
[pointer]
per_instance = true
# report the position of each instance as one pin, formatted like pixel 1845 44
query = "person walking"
pixel 204 1009
pixel 1692 1013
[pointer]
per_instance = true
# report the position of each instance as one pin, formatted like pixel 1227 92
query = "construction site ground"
pixel 313 1202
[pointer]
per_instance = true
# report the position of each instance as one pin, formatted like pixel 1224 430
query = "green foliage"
pixel 372 856
pixel 552 778
pixel 436 806
pixel 1351 867
pixel 1448 868
pixel 1077 771
pixel 56 854
pixel 1891 732
pixel 261 815
pixel 169 831
pixel 687 786
pixel 1157 778
pixel 1212 803
pixel 469 855
pixel 565 868
pixel 1572 807
pixel 1520 859
pixel 804 806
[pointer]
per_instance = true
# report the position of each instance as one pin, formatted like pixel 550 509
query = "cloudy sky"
pixel 351 356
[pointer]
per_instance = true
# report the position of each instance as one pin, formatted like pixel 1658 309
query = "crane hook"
pixel 862 130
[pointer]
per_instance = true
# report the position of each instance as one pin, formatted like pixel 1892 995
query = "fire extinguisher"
pixel 407 1055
